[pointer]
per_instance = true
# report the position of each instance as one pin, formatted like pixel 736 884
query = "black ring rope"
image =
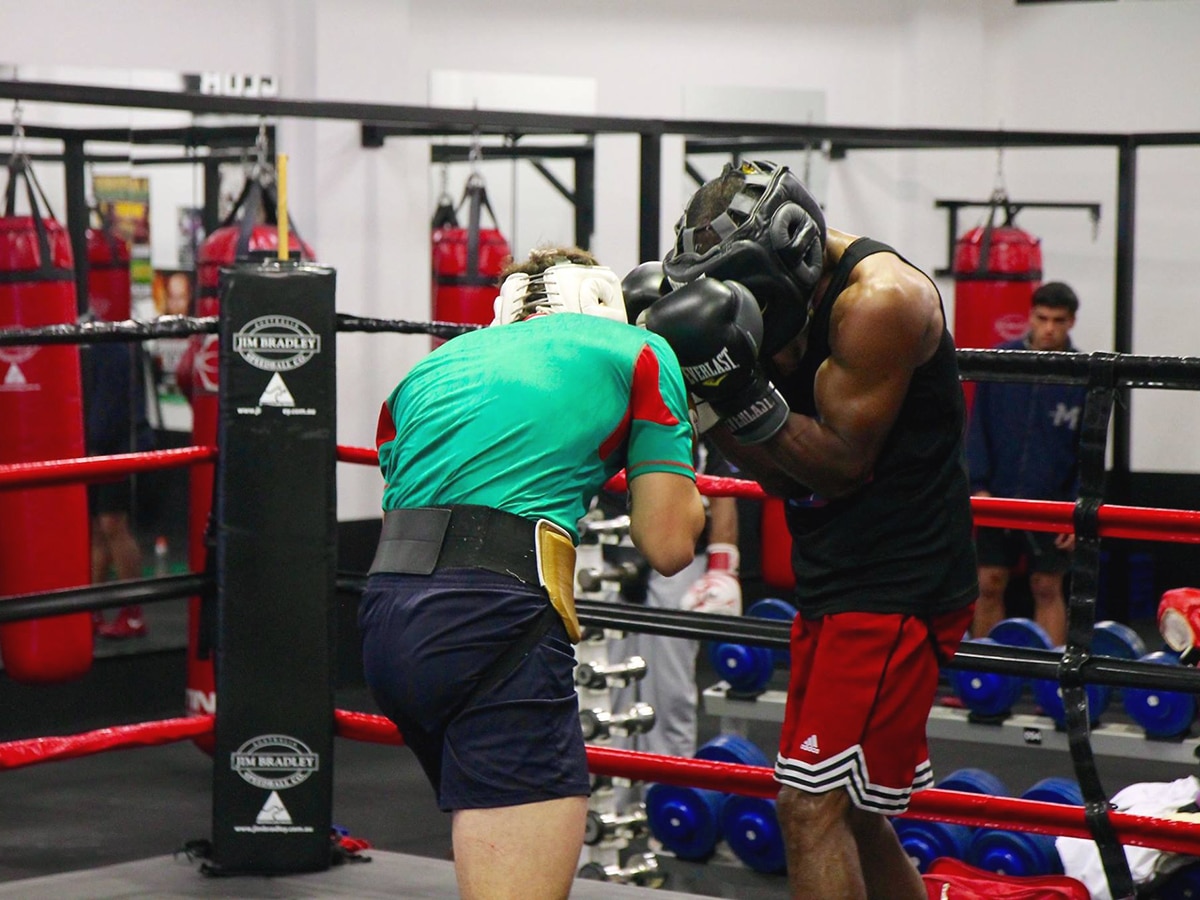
pixel 92 332
pixel 1059 367
pixel 110 595
pixel 1005 660
pixel 1039 366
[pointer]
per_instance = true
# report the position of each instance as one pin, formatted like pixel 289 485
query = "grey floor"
pixel 383 874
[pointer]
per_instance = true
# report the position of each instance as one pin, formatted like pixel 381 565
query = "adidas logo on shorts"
pixel 810 744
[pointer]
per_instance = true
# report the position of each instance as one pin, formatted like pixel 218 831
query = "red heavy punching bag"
pixel 45 544
pixel 110 288
pixel 249 232
pixel 996 270
pixel 466 261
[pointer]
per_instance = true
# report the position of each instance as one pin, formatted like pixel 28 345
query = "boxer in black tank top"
pixel 825 361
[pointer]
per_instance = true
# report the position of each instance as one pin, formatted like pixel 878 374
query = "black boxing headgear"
pixel 770 237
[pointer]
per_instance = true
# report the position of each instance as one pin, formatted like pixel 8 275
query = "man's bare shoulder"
pixel 888 300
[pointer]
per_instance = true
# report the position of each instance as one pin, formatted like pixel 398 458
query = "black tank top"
pixel 902 542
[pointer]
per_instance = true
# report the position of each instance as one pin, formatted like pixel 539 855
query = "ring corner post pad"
pixel 276 569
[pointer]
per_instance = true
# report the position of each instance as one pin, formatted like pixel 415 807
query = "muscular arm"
pixel 757 461
pixel 883 327
pixel 666 516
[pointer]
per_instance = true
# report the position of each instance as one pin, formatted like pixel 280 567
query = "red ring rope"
pixel 1131 522
pixel 94 468
pixel 757 781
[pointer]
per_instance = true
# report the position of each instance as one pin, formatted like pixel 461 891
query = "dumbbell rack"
pixel 613 820
pixel 1117 739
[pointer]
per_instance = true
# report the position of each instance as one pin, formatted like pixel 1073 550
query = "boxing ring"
pixel 253 294
pixel 241 455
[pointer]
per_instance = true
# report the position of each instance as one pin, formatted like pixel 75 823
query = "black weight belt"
pixel 420 540
pixel 417 541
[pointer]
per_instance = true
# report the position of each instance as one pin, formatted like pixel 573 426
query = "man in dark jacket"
pixel 1023 443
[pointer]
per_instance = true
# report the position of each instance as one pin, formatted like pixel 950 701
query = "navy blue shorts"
pixel 107 497
pixel 1005 547
pixel 427 639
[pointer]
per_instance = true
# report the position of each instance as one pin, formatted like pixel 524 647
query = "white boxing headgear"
pixel 563 287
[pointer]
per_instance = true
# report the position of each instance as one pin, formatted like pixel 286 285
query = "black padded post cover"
pixel 276 564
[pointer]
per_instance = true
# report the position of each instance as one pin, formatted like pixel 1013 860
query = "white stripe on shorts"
pixel 848 769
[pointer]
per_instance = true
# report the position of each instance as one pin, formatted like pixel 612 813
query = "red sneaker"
pixel 128 623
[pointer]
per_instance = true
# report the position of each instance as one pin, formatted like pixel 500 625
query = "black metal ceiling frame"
pixel 379 120
pixel 224 143
pixel 583 157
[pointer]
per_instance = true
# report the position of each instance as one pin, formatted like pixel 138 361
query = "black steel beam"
pixel 77 216
pixel 184 136
pixel 585 212
pixel 650 204
pixel 443 120
pixel 1123 313
pixel 442 153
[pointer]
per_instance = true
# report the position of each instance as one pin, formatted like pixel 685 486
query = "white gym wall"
pixel 1095 67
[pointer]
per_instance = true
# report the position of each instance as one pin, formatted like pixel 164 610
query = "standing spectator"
pixel 116 423
pixel 1023 443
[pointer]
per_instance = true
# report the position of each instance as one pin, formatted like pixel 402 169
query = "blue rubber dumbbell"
pixel 746 669
pixel 749 825
pixel 1048 694
pixel 1162 714
pixel 751 828
pixel 1020 853
pixel 926 841
pixel 688 820
pixel 986 694
pixel 777 611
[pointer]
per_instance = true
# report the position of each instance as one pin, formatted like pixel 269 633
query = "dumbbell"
pixel 641 869
pixel 925 841
pixel 751 829
pixel 688 820
pixel 1163 715
pixel 1116 640
pixel 745 668
pixel 1048 694
pixel 994 694
pixel 986 694
pixel 602 827
pixel 597 676
pixel 1019 853
pixel 624 574
pixel 748 669
pixel 1021 632
pixel 601 723
pixel 775 610
pixel 618 526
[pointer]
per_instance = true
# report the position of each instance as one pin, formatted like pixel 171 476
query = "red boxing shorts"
pixel 859 694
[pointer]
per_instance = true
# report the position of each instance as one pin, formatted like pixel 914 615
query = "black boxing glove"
pixel 643 285
pixel 715 328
